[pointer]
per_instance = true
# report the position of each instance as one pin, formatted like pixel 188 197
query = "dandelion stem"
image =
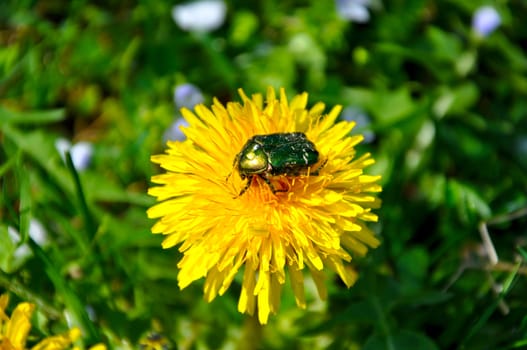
pixel 252 333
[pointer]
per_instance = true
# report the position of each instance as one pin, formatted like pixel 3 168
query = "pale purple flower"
pixel 362 121
pixel 521 147
pixel 200 16
pixel 354 10
pixel 485 20
pixel 174 132
pixel 81 152
pixel 187 95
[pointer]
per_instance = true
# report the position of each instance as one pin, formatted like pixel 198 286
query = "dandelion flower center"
pixel 309 215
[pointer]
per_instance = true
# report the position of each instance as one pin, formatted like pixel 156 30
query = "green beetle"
pixel 288 153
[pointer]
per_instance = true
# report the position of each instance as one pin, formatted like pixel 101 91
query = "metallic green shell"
pixel 287 153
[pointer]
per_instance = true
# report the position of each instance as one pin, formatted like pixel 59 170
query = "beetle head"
pixel 252 160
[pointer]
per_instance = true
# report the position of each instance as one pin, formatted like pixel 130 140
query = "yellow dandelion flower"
pixel 308 220
pixel 15 329
pixel 58 342
pixel 154 341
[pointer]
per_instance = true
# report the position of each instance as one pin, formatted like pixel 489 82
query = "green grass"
pixel 449 114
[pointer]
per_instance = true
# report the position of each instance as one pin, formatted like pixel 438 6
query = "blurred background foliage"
pixel 442 100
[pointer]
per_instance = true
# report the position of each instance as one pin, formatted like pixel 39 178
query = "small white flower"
pixel 22 252
pixel 62 146
pixel 81 152
pixel 486 19
pixel 38 233
pixel 187 95
pixel 200 16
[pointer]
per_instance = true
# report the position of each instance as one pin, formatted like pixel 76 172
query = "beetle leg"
pixel 246 187
pixel 268 182
pixel 271 186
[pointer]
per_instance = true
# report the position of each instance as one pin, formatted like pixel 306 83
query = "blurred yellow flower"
pixel 154 341
pixel 14 330
pixel 314 221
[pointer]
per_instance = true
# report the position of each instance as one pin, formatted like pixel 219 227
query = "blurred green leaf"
pixel 402 340
pixel 484 317
pixel 468 203
pixel 444 45
pixel 273 66
pixel 37 145
pixel 71 299
pixel 35 117
pixel 413 267
pixel 523 253
pixel 7 166
pixel 7 250
pixel 389 107
pixel 243 27
pixel 456 100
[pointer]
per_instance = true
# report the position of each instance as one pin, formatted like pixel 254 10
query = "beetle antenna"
pixel 233 165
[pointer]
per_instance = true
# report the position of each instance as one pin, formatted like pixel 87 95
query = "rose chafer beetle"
pixel 288 153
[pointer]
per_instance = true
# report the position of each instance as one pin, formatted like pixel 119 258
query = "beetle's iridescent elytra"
pixel 288 153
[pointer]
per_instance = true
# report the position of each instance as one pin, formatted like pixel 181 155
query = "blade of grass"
pixel 7 210
pixel 32 117
pixel 507 286
pixel 35 144
pixel 383 325
pixel 73 303
pixel 521 344
pixel 25 201
pixel 8 165
pixel 89 223
pixel 523 253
